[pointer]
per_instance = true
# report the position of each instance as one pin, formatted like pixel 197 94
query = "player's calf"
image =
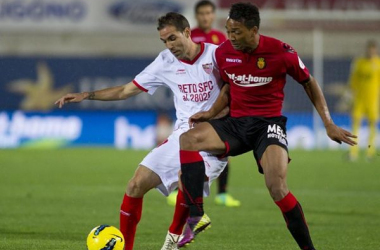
pixel 131 207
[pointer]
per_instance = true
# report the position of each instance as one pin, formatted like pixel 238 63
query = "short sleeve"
pixel 294 65
pixel 150 78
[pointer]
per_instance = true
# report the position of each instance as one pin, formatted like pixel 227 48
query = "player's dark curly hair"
pixel 175 19
pixel 204 3
pixel 246 13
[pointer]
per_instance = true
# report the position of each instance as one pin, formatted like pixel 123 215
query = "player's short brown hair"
pixel 175 19
pixel 246 13
pixel 204 3
pixel 371 44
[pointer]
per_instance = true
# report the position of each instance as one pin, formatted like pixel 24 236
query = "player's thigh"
pixel 275 165
pixel 202 137
pixel 164 161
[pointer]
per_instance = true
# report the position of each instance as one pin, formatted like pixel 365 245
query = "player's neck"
pixel 255 43
pixel 205 30
pixel 194 50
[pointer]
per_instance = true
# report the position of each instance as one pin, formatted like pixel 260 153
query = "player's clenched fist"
pixel 71 97
pixel 199 117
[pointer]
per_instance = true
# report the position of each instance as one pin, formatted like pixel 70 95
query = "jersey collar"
pixel 195 58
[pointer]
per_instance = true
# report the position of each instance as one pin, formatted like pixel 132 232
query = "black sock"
pixel 192 177
pixel 298 228
pixel 295 221
pixel 222 180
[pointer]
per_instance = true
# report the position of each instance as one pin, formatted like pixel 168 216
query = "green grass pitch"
pixel 51 199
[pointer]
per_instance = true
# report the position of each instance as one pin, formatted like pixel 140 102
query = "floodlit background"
pixel 52 47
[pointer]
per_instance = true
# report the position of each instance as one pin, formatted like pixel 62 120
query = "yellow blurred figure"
pixel 365 87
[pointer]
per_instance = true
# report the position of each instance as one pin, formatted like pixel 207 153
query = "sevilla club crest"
pixel 207 67
pixel 261 63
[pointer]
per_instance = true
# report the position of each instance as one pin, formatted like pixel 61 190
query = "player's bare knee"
pixel 135 188
pixel 277 188
pixel 188 141
pixel 278 193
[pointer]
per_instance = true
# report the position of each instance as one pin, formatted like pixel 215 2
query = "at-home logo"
pixel 249 80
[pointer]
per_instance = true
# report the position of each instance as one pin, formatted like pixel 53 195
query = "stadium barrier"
pixel 129 129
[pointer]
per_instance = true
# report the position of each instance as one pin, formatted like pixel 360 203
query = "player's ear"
pixel 254 30
pixel 187 32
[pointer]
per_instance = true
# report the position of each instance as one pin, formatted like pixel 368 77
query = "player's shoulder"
pixel 196 30
pixel 360 61
pixel 218 32
pixel 166 57
pixel 276 46
pixel 210 46
pixel 225 47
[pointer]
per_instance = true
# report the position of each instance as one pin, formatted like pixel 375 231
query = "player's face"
pixel 177 42
pixel 371 51
pixel 205 17
pixel 240 36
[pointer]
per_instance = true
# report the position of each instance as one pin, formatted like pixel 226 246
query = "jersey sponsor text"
pixel 249 80
pixel 196 92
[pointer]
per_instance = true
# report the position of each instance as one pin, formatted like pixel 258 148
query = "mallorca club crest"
pixel 261 63
pixel 207 67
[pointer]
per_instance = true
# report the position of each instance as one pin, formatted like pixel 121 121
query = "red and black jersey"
pixel 257 79
pixel 214 36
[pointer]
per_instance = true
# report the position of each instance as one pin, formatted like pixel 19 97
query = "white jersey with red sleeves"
pixel 257 79
pixel 196 84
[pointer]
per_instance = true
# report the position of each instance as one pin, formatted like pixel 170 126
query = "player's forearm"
pixel 221 102
pixel 317 98
pixel 113 93
pixel 108 94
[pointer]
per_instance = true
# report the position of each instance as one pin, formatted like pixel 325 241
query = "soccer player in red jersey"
pixel 255 68
pixel 205 15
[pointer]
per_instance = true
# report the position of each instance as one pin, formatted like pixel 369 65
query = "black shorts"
pixel 243 134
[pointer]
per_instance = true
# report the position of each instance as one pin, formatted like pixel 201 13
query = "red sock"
pixel 181 214
pixel 287 203
pixel 130 215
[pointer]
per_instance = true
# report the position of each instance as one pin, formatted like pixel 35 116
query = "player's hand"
pixel 340 135
pixel 199 117
pixel 72 97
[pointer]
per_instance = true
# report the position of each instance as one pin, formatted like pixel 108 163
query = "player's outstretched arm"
pixel 218 108
pixel 108 94
pixel 317 98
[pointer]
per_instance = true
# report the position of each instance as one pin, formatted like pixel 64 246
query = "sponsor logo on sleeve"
pixel 249 80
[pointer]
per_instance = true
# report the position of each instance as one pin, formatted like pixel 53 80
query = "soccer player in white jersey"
pixel 188 70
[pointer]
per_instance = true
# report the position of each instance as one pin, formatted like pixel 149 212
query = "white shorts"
pixel 164 161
